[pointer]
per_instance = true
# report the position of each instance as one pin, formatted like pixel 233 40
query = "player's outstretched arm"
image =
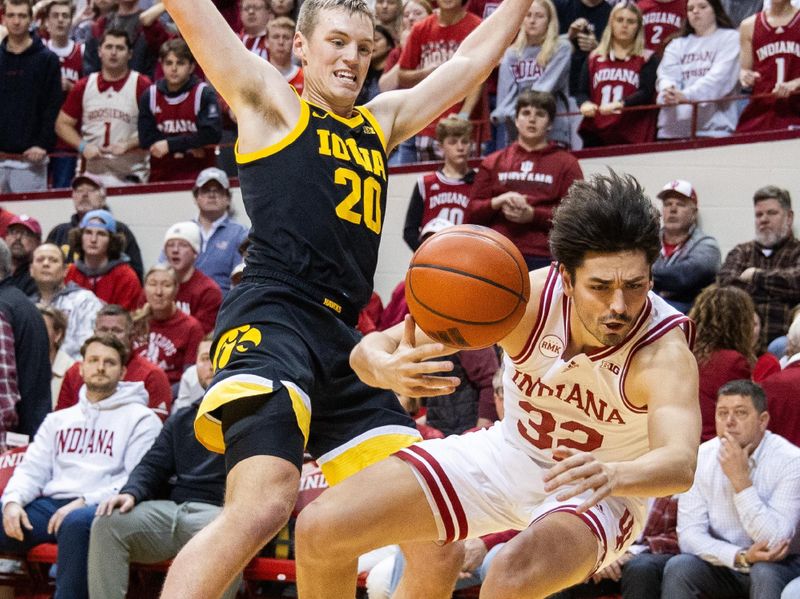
pixel 397 359
pixel 247 82
pixel 402 113
pixel 663 376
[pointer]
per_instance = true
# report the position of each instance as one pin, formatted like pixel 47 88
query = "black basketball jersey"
pixel 316 201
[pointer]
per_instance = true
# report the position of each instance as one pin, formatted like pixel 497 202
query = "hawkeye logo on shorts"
pixel 239 339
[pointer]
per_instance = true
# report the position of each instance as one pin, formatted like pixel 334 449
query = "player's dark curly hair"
pixel 724 317
pixel 604 214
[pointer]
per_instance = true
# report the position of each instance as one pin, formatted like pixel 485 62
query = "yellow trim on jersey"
pixel 208 428
pixel 373 121
pixel 364 454
pixel 353 121
pixel 300 126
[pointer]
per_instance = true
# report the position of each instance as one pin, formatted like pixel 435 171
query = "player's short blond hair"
pixel 309 12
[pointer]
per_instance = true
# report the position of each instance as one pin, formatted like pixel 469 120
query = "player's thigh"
pixel 380 505
pixel 553 553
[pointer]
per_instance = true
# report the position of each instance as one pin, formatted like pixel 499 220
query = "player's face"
pixel 456 149
pixel 701 16
pixel 160 290
pixel 386 11
pixel 180 254
pixel 101 368
pixel 608 292
pixel 279 42
pixel 205 371
pixel 48 265
pixel 213 200
pixel 86 197
pixel 255 15
pixel 109 324
pixel 336 58
pixel 737 416
pixel 95 242
pixel 17 19
pixel 176 70
pixel 624 26
pixel 536 22
pixel 413 13
pixel 59 19
pixel 679 214
pixel 773 223
pixel 114 54
pixel 532 125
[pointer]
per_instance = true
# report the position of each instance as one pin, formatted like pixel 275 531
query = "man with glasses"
pixel 255 16
pixel 220 235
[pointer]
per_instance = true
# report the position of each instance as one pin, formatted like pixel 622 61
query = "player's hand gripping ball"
pixel 467 286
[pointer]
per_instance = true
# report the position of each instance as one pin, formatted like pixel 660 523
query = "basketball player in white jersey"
pixel 601 410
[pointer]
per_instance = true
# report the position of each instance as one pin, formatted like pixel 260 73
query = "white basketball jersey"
pixel 579 403
pixel 111 117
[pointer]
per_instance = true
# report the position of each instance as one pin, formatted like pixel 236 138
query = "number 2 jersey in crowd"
pixel 579 403
pixel 776 58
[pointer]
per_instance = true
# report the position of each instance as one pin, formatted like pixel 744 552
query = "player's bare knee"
pixel 434 560
pixel 317 534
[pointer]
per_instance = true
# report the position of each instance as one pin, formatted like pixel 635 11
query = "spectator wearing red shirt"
pixel 101 266
pixel 179 117
pixel 724 345
pixel 114 320
pixel 432 41
pixel 662 20
pixel 172 336
pixel 255 15
pixel 517 188
pixel 782 388
pixel 99 117
pixel 198 294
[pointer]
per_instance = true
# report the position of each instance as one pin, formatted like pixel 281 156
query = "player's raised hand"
pixel 580 472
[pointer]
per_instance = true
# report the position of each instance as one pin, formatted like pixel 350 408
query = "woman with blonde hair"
pixel 165 335
pixel 620 73
pixel 724 345
pixel 539 60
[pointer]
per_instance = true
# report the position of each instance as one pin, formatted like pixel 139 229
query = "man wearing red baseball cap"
pixel 689 258
pixel 23 235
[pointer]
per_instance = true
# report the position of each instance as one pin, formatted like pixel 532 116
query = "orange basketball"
pixel 467 286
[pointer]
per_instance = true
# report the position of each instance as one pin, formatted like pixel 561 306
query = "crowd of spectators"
pixel 132 106
pixel 129 104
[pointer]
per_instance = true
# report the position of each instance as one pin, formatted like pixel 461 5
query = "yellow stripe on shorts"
pixel 365 450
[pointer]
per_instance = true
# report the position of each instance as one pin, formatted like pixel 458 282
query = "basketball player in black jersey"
pixel 313 178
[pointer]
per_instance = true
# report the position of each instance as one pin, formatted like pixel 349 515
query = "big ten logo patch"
pixel 605 364
pixel 551 346
pixel 239 339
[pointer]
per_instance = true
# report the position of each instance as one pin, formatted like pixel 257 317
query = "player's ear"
pixel 566 280
pixel 299 46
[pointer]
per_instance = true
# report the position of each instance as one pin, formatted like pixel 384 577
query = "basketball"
pixel 467 286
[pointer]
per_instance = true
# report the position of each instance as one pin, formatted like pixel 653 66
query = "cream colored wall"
pixel 725 178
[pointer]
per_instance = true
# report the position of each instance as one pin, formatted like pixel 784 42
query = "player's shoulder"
pixel 670 352
pixel 542 282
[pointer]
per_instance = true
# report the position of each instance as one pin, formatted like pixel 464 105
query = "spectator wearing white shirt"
pixel 737 522
pixel 702 63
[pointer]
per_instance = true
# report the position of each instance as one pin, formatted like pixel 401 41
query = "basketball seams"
pixel 455 271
